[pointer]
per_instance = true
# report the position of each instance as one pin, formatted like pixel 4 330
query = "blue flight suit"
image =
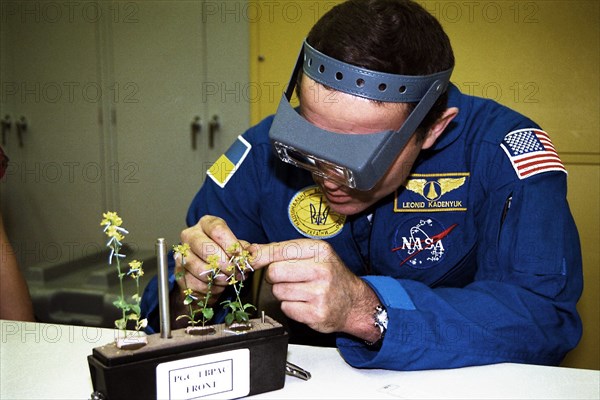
pixel 476 257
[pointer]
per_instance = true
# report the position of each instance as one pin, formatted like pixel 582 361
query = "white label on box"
pixel 224 375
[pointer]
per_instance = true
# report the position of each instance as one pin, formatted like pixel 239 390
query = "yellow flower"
pixel 112 232
pixel 188 292
pixel 232 280
pixel 213 261
pixel 111 218
pixel 135 270
pixel 135 274
pixel 182 249
pixel 234 248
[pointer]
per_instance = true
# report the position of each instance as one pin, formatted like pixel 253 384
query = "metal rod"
pixel 163 289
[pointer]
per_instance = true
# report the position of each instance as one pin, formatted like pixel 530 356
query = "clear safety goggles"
pixel 354 160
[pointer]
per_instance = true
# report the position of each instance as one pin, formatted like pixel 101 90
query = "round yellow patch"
pixel 311 216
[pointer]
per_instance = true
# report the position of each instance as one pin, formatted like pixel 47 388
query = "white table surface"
pixel 49 361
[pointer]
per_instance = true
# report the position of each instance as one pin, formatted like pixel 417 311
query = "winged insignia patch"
pixel 433 190
pixel 429 192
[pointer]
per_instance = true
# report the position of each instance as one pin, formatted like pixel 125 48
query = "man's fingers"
pixel 297 291
pixel 219 233
pixel 266 254
pixel 209 237
pixel 291 271
pixel 307 313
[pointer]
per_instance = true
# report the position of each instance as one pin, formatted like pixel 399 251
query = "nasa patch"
pixel 310 214
pixel 421 243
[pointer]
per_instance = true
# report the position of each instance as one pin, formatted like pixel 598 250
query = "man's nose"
pixel 327 183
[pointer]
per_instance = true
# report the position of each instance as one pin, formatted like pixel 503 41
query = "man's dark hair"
pixel 394 36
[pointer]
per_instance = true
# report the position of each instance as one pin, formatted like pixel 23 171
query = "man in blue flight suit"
pixel 416 226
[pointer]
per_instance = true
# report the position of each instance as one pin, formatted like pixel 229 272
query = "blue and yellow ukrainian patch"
pixel 226 165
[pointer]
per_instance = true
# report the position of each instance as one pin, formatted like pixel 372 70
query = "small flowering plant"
pixel 130 309
pixel 237 266
pixel 239 263
pixel 206 312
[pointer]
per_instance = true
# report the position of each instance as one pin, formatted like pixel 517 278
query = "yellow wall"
pixel 538 57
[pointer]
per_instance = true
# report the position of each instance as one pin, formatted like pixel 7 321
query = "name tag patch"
pixel 433 193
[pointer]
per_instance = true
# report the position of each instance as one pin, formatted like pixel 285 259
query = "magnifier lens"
pixel 317 166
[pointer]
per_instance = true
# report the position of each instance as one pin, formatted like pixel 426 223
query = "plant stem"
pixel 192 315
pixel 116 249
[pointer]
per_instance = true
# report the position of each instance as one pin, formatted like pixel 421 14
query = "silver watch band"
pixel 380 320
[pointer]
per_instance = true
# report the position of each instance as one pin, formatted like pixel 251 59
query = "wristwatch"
pixel 380 320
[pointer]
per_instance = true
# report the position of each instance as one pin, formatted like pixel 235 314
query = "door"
pixel 159 68
pixel 173 67
pixel 55 185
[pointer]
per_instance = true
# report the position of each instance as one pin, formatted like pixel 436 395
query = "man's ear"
pixel 438 127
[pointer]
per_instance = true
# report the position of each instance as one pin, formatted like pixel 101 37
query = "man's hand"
pixel 316 288
pixel 209 237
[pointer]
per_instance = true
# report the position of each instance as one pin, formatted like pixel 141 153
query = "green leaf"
pixel 229 319
pixel 136 309
pixel 208 313
pixel 188 300
pixel 226 303
pixel 241 316
pixel 183 316
pixel 122 304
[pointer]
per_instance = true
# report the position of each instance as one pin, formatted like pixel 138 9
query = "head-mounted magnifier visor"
pixel 354 160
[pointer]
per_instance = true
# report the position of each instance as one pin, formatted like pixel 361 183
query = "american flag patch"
pixel 531 152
